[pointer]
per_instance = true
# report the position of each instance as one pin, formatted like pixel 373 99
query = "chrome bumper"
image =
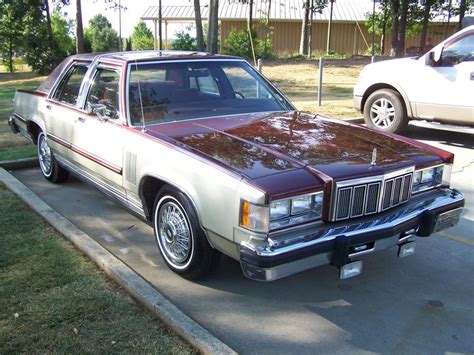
pixel 12 124
pixel 337 244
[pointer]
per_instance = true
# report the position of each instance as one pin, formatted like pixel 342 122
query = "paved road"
pixel 420 304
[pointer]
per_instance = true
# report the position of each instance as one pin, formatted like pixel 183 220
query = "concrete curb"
pixel 135 285
pixel 19 163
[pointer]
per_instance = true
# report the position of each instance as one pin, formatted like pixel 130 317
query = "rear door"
pixel 60 109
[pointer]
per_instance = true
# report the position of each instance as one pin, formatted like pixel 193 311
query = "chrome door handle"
pixel 472 76
pixel 81 119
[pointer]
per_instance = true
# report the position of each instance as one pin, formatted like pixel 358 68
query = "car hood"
pixel 263 144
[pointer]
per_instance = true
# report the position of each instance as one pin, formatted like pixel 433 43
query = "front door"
pixel 98 136
pixel 445 91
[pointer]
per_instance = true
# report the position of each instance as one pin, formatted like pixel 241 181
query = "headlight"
pixel 431 177
pixel 296 210
pixel 301 204
pixel 279 209
pixel 254 217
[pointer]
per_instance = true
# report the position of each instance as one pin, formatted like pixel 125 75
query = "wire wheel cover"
pixel 382 113
pixel 174 232
pixel 44 155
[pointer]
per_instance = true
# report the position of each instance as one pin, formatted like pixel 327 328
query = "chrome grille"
pixel 374 195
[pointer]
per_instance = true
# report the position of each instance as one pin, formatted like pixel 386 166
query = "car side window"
pixel 68 89
pixel 459 51
pixel 104 92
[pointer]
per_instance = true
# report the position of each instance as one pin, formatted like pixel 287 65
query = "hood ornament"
pixel 374 157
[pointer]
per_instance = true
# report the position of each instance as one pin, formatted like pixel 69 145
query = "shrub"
pixel 184 42
pixel 238 44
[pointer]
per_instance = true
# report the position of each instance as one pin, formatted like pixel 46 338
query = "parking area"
pixel 419 304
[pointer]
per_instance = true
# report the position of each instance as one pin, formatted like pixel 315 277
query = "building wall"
pixel 346 38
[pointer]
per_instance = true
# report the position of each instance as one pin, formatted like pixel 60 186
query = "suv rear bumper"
pixel 338 243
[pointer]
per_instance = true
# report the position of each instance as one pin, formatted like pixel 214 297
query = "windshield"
pixel 176 91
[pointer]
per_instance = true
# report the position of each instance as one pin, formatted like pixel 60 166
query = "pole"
pixel 373 32
pixel 155 39
pixel 328 48
pixel 120 25
pixel 320 85
pixel 160 30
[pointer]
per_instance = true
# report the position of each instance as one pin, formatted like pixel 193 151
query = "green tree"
pixel 100 35
pixel 62 31
pixel 11 30
pixel 184 42
pixel 142 37
pixel 36 45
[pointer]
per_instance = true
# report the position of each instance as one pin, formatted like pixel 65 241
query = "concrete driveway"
pixel 420 304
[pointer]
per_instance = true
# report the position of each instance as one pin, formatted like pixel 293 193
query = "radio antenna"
pixel 140 97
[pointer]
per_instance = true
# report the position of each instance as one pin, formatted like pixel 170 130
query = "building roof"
pixel 282 10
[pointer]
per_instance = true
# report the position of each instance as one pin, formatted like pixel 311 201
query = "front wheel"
pixel 180 239
pixel 50 168
pixel 384 110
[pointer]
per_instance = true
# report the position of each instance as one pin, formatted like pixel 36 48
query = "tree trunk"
pixel 304 29
pixel 213 23
pixel 198 19
pixel 402 28
pixel 424 30
pixel 384 30
pixel 10 53
pixel 310 29
pixel 250 31
pixel 395 14
pixel 462 12
pixel 50 33
pixel 79 29
pixel 446 31
pixel 267 28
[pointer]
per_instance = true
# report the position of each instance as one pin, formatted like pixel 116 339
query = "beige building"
pixel 349 34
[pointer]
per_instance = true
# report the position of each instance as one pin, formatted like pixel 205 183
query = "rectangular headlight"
pixel 254 217
pixel 279 209
pixel 425 179
pixel 301 204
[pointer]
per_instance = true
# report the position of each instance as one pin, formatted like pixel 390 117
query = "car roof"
pixel 140 56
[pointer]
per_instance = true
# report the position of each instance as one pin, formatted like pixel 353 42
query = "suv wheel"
pixel 181 240
pixel 384 110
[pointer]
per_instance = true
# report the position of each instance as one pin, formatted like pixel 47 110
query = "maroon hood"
pixel 260 145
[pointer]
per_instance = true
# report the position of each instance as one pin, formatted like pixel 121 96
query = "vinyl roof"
pixel 284 10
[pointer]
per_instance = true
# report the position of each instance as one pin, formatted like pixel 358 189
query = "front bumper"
pixel 358 103
pixel 12 124
pixel 339 243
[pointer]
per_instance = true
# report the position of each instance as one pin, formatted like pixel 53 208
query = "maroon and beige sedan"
pixel 217 160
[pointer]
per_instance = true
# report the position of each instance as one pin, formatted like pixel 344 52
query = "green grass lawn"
pixel 54 300
pixel 13 146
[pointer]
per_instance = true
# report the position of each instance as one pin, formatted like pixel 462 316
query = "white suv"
pixel 437 86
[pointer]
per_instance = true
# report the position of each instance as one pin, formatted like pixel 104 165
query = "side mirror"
pixel 97 109
pixel 429 59
pixel 434 56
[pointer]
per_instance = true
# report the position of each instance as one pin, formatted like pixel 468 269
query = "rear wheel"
pixel 50 168
pixel 384 110
pixel 181 241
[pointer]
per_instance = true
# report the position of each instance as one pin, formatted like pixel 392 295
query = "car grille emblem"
pixel 374 157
